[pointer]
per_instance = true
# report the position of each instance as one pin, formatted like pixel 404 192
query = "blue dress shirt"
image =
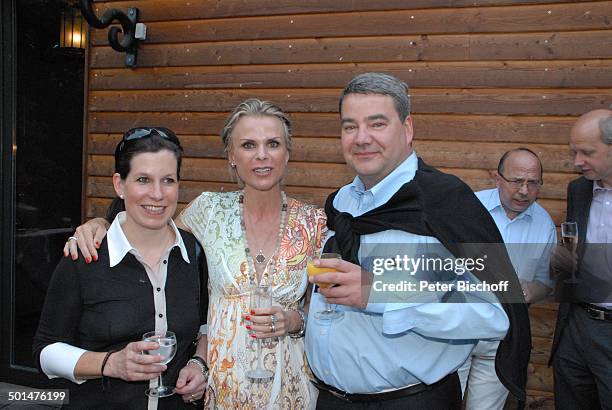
pixel 530 237
pixel 393 345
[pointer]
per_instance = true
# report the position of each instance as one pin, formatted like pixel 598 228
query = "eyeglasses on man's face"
pixel 517 183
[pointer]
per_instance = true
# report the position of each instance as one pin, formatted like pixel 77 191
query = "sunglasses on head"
pixel 145 132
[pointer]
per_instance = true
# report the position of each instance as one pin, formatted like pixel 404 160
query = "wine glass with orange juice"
pixel 329 313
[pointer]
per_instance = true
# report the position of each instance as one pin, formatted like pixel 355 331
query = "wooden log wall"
pixel 485 76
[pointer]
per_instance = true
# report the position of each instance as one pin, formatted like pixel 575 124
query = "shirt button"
pixel 159 289
pixel 165 262
pixel 161 315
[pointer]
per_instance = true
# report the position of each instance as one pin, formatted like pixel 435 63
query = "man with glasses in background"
pixel 529 234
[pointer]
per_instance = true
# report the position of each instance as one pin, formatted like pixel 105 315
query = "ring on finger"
pixel 272 328
pixel 273 319
pixel 72 238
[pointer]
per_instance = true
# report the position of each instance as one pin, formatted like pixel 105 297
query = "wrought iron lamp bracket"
pixel 133 32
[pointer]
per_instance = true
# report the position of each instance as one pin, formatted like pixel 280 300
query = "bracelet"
pixel 300 332
pixel 198 361
pixel 105 381
pixel 104 362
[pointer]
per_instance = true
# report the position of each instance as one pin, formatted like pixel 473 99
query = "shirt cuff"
pixel 59 360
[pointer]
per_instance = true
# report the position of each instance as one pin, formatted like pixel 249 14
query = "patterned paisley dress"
pixel 214 218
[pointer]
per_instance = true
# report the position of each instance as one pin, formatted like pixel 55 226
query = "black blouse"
pixel 99 308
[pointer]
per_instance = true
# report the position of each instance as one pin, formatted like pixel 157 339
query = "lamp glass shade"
pixel 73 29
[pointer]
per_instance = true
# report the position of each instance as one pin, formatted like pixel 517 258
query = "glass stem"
pixel 160 384
pixel 259 362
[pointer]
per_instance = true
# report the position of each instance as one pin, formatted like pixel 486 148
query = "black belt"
pixel 372 397
pixel 597 312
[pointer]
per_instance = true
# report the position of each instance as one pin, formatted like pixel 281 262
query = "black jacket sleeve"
pixel 61 313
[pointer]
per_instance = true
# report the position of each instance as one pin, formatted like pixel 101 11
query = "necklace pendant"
pixel 260 258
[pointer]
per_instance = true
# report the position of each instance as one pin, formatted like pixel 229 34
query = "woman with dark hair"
pixel 257 235
pixel 147 279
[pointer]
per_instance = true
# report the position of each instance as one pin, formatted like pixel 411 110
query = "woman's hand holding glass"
pixel 261 298
pixel 130 364
pixel 165 351
pixel 264 323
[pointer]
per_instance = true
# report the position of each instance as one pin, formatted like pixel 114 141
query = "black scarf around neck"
pixel 442 206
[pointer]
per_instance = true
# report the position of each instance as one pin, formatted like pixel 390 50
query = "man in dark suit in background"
pixel 582 347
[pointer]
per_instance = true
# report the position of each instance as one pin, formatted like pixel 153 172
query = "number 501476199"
pixel 25 394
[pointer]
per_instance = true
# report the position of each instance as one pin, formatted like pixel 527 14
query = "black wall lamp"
pixel 133 31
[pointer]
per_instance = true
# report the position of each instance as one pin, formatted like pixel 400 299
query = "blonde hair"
pixel 255 108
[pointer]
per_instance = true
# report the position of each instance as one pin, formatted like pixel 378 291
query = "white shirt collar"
pixel 495 202
pixel 389 185
pixel 598 187
pixel 119 246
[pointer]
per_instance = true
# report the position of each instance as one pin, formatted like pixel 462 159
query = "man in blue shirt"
pixel 530 235
pixel 403 354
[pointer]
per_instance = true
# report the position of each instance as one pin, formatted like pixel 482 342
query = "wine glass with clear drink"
pixel 167 349
pixel 569 238
pixel 569 235
pixel 329 312
pixel 261 297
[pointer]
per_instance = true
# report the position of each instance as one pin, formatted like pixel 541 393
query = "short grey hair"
pixel 605 126
pixel 254 107
pixel 384 84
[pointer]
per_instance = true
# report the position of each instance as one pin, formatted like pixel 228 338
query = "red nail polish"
pixel 97 244
pixel 87 260
pixel 248 318
pixel 252 312
pixel 248 327
pixel 254 337
pixel 95 258
pixel 65 254
pixel 74 258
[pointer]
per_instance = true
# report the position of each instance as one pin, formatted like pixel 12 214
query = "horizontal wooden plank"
pixel 424 100
pixel 554 306
pixel 542 323
pixel 473 128
pixel 210 146
pixel 302 174
pixel 540 351
pixel 466 47
pixel 216 170
pixel 540 377
pixel 550 17
pixel 96 206
pixel 102 187
pixel 436 153
pixel 540 400
pixel 468 74
pixel 156 10
pixel 555 158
